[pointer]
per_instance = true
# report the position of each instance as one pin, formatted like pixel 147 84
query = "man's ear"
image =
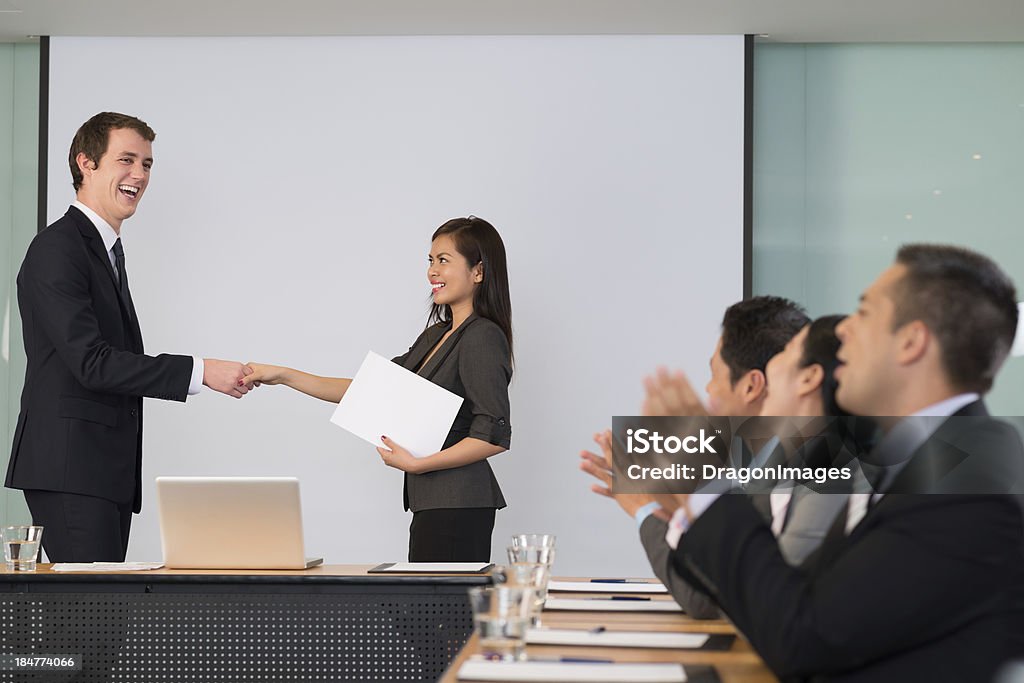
pixel 754 386
pixel 912 342
pixel 85 165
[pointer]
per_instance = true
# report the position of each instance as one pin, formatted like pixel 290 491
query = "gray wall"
pixel 296 185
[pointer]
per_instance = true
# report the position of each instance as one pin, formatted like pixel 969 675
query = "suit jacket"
pixel 694 602
pixel 475 363
pixel 927 587
pixel 80 426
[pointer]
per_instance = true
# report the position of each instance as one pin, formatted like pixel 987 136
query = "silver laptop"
pixel 231 523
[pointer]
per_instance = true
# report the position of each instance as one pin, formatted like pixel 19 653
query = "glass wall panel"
pixel 19 154
pixel 861 148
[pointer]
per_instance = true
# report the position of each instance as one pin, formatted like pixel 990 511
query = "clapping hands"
pixel 669 394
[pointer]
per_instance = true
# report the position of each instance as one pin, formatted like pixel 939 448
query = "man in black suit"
pixel 77 451
pixel 923 578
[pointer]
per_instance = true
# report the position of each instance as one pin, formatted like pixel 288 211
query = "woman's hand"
pixel 398 457
pixel 264 374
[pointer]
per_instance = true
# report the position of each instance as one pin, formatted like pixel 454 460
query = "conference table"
pixel 330 623
pixel 737 663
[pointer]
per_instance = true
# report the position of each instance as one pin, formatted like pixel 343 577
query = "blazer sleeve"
pixel 906 582
pixel 694 602
pixel 58 287
pixel 485 370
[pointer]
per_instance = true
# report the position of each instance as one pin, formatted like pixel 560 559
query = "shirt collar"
pixel 107 233
pixel 911 432
pixel 949 406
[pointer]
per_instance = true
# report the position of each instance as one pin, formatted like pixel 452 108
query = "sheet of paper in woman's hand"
pixel 386 399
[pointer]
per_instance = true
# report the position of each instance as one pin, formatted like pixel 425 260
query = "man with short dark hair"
pixel 909 584
pixel 753 331
pixel 77 451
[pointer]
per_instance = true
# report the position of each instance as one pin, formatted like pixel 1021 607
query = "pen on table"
pixel 625 597
pixel 617 581
pixel 572 660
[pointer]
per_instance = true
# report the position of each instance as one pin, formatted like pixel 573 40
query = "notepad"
pixel 105 566
pixel 565 672
pixel 386 399
pixel 606 587
pixel 599 605
pixel 431 568
pixel 556 636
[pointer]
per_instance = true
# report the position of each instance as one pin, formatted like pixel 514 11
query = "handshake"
pixel 233 378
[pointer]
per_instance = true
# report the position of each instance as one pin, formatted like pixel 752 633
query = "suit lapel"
pixel 919 473
pixel 936 457
pixel 94 243
pixel 431 366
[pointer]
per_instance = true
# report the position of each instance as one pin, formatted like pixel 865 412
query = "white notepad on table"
pixel 607 587
pixel 432 568
pixel 566 672
pixel 562 636
pixel 386 399
pixel 609 605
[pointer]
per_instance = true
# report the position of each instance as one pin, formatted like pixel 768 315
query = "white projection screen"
pixel 296 184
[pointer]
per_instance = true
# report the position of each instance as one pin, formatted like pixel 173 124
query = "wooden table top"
pixel 739 664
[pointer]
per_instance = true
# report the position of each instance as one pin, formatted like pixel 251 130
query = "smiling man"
pixel 77 451
pixel 923 578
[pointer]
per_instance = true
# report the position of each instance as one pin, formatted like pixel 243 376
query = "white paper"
pixel 105 566
pixel 588 587
pixel 437 567
pixel 598 605
pixel 555 636
pixel 386 399
pixel 565 672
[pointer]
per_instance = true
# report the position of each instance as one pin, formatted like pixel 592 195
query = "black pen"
pixel 617 581
pixel 627 597
pixel 571 660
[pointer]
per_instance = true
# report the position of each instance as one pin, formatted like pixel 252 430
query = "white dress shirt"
pixel 898 444
pixel 109 236
pixel 905 438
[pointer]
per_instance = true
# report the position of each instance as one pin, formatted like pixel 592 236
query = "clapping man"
pixel 923 578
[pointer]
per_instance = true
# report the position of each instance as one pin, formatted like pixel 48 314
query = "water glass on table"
pixel 531 554
pixel 21 547
pixel 533 575
pixel 501 615
pixel 542 540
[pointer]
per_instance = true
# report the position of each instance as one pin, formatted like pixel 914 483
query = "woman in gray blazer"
pixel 467 349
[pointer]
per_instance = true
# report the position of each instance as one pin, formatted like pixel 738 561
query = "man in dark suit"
pixel 753 331
pixel 923 578
pixel 77 451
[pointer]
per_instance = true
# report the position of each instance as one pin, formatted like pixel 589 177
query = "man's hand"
pixel 671 394
pixel 225 376
pixel 600 467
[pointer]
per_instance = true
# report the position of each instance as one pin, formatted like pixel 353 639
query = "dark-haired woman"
pixel 467 349
pixel 802 386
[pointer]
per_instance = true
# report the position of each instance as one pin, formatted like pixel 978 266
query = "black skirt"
pixel 451 535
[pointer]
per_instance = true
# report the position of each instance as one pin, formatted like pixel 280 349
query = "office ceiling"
pixel 781 20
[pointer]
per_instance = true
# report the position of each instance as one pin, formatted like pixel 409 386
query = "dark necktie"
pixel 122 277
